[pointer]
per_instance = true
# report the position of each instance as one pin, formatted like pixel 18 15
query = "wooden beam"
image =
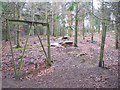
pixel 29 22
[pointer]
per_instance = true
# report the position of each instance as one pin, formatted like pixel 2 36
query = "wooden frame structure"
pixel 32 23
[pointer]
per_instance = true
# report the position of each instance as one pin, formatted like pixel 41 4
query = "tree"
pixel 74 7
pixel 18 31
pixel 76 25
pixel 83 32
pixel 92 31
pixel 6 11
pixel 18 7
pixel 116 12
pixel 1 34
pixel 101 62
pixel 63 19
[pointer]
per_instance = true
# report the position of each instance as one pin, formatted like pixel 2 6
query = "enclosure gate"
pixel 32 23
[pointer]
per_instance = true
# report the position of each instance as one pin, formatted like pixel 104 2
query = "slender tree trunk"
pixel 92 31
pixel 98 26
pixel 18 42
pixel 63 17
pixel 63 31
pixel 6 31
pixel 58 31
pixel 1 29
pixel 83 32
pixel 117 37
pixel 116 29
pixel 18 32
pixel 32 33
pixel 48 41
pixel 15 34
pixel 76 27
pixel 54 27
pixel 52 23
pixel 46 17
pixel 101 62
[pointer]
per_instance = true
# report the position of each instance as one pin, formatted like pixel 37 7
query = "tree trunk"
pixel 92 31
pixel 63 30
pixel 98 26
pixel 48 41
pixel 46 17
pixel 76 26
pixel 83 32
pixel 52 23
pixel 18 42
pixel 101 62
pixel 116 29
pixel 117 37
pixel 6 31
pixel 18 32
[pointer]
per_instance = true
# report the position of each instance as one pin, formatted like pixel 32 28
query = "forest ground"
pixel 72 67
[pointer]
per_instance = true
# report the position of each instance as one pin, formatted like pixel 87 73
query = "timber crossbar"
pixel 29 22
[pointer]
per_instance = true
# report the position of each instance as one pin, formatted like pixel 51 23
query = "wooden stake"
pixel 40 41
pixel 21 61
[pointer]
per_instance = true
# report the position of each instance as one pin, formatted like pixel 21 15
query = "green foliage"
pixel 93 41
pixel 63 22
pixel 0 7
pixel 72 6
pixel 6 8
pixel 57 17
pixel 69 28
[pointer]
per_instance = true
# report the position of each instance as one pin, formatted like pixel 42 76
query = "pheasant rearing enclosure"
pixel 60 44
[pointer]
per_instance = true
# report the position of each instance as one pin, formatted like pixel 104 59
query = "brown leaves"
pixel 101 78
pixel 46 71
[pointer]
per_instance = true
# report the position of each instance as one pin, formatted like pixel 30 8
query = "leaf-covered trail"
pixel 72 67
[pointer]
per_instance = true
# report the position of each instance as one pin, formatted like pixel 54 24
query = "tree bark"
pixel 83 32
pixel 116 29
pixel 6 31
pixel 48 41
pixel 116 37
pixel 18 32
pixel 76 26
pixel 101 62
pixel 92 31
pixel 98 26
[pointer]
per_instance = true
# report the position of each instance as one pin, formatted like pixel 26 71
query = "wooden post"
pixel 21 61
pixel 40 41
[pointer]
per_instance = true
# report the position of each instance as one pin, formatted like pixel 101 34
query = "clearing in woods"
pixel 72 66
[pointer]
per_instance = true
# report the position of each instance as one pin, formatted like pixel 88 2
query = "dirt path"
pixel 74 67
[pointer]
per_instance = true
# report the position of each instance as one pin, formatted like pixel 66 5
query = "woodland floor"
pixel 72 67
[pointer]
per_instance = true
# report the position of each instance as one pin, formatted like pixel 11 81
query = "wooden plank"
pixel 29 22
pixel 29 47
